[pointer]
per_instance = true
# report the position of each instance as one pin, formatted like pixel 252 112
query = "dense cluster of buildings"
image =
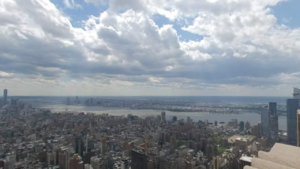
pixel 34 138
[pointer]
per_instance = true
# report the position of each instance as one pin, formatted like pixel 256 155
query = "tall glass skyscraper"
pixel 292 106
pixel 5 96
pixel 265 123
pixel 273 121
pixel 269 122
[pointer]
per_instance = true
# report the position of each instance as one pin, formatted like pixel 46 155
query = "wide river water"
pixel 253 118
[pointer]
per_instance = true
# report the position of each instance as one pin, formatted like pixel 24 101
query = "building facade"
pixel 95 162
pixel 273 121
pixel 292 107
pixel 5 96
pixel 138 160
pixel 265 123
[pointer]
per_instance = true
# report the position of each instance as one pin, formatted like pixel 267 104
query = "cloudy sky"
pixel 150 47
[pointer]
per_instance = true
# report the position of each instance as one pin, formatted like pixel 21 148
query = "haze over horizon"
pixel 149 47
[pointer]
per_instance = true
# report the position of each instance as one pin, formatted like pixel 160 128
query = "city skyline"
pixel 57 94
pixel 170 48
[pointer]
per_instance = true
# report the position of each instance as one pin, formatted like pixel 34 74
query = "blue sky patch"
pixel 177 25
pixel 80 14
pixel 287 13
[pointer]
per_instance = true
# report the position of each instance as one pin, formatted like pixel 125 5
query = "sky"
pixel 150 47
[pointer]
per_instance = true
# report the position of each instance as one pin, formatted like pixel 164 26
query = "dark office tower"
pixel 78 146
pixel 273 108
pixel 138 159
pixel 5 96
pixel 292 106
pixel 265 123
pixel 273 122
pixel 163 116
pixel 242 125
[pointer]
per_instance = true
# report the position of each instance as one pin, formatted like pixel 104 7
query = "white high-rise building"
pixel 124 164
pixel 95 162
pixel 87 166
pixel 11 158
pixel 296 93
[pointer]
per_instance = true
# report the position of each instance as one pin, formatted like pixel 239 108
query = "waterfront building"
pixel 292 107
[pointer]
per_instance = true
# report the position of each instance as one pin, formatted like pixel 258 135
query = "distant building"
pixel 87 166
pixel 247 125
pixel 255 130
pixel 188 119
pixel 273 121
pixel 103 145
pixel 79 146
pixel 125 164
pixel 217 162
pixel 296 94
pixel 174 118
pixel 14 102
pixel 265 123
pixel 292 107
pixel 138 159
pixel 64 155
pixel 95 162
pixel 76 162
pixel 269 122
pixel 5 96
pixel 163 116
pixel 244 161
pixel 242 125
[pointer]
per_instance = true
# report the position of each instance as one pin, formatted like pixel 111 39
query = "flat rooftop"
pixel 233 138
pixel 246 158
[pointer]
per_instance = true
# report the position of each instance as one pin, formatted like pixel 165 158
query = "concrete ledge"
pixel 249 167
pixel 264 164
pixel 279 159
pixel 286 151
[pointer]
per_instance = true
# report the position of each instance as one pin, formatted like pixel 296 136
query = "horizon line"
pixel 133 96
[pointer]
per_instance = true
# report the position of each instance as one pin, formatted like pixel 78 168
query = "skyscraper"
pixel 95 162
pixel 265 123
pixel 273 121
pixel 125 164
pixel 78 146
pixel 163 116
pixel 103 145
pixel 76 162
pixel 292 106
pixel 5 96
pixel 269 122
pixel 296 93
pixel 138 159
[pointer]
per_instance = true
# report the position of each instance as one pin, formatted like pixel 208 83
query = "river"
pixel 253 118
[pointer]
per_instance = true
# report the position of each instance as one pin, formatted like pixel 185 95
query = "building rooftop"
pixel 281 156
pixel 246 158
pixel 233 138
